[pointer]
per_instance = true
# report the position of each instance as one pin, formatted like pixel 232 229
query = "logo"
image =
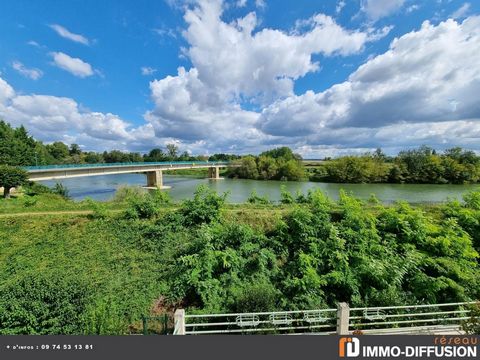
pixel 348 347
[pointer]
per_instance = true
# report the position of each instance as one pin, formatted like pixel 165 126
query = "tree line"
pixel 18 148
pixel 422 165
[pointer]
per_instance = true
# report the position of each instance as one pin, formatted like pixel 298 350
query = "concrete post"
pixel 179 322
pixel 343 318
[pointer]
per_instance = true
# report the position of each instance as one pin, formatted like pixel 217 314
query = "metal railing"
pixel 278 322
pixel 410 319
pixel 143 164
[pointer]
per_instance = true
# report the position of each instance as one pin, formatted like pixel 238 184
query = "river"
pixel 104 187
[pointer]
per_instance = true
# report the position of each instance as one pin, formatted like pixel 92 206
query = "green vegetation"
pixel 472 325
pixel 98 273
pixel 422 165
pixel 418 166
pixel 276 164
pixel 18 148
pixel 10 177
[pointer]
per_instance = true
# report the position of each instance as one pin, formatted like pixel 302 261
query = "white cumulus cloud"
pixel 65 33
pixel 415 92
pixel 75 66
pixel 376 9
pixel 31 73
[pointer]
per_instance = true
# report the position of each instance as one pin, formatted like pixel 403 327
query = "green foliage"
pixel 204 208
pixel 313 254
pixel 29 202
pixel 285 196
pixel 43 304
pixel 34 188
pixel 353 169
pixel 128 193
pixel 99 210
pixel 10 177
pixel 472 325
pixel 275 164
pixel 255 297
pixel 61 190
pixel 254 198
pixel 145 205
pixel 422 165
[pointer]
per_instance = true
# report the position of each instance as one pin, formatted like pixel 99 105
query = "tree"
pixel 93 158
pixel 172 150
pixel 58 150
pixel 75 149
pixel 155 155
pixel 10 177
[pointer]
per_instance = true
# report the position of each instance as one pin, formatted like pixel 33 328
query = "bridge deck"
pixel 52 172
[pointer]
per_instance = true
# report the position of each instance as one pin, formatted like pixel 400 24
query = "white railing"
pixel 431 318
pixel 411 318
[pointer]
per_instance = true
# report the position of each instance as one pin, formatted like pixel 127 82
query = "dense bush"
pixel 204 208
pixel 276 164
pixel 145 205
pixel 43 304
pixel 322 253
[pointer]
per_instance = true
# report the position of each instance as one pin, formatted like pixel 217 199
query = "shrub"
pixel 61 190
pixel 256 297
pixel 285 196
pixel 254 198
pixel 472 325
pixel 29 202
pixel 99 209
pixel 204 208
pixel 127 193
pixel 34 188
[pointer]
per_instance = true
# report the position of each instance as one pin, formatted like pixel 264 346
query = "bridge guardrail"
pixel 99 165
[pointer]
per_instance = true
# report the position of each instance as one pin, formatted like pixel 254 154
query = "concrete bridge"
pixel 153 170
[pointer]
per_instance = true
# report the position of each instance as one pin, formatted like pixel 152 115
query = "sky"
pixel 326 78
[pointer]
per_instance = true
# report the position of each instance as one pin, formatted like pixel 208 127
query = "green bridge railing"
pixel 166 163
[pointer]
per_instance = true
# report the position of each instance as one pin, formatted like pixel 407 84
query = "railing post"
pixel 179 322
pixel 343 318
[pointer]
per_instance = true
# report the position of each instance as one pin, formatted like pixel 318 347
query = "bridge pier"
pixel 214 173
pixel 155 180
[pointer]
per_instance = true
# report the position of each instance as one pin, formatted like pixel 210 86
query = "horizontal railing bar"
pixel 259 322
pixel 259 313
pixel 415 314
pixel 412 306
pixel 257 330
pixel 406 321
pixel 410 329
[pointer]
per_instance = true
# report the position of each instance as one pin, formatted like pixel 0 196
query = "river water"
pixel 104 187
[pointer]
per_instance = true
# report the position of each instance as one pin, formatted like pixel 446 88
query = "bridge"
pixel 153 170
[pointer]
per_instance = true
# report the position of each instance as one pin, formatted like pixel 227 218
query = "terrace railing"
pixel 410 319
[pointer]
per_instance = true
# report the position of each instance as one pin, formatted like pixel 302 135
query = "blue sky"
pixel 325 78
